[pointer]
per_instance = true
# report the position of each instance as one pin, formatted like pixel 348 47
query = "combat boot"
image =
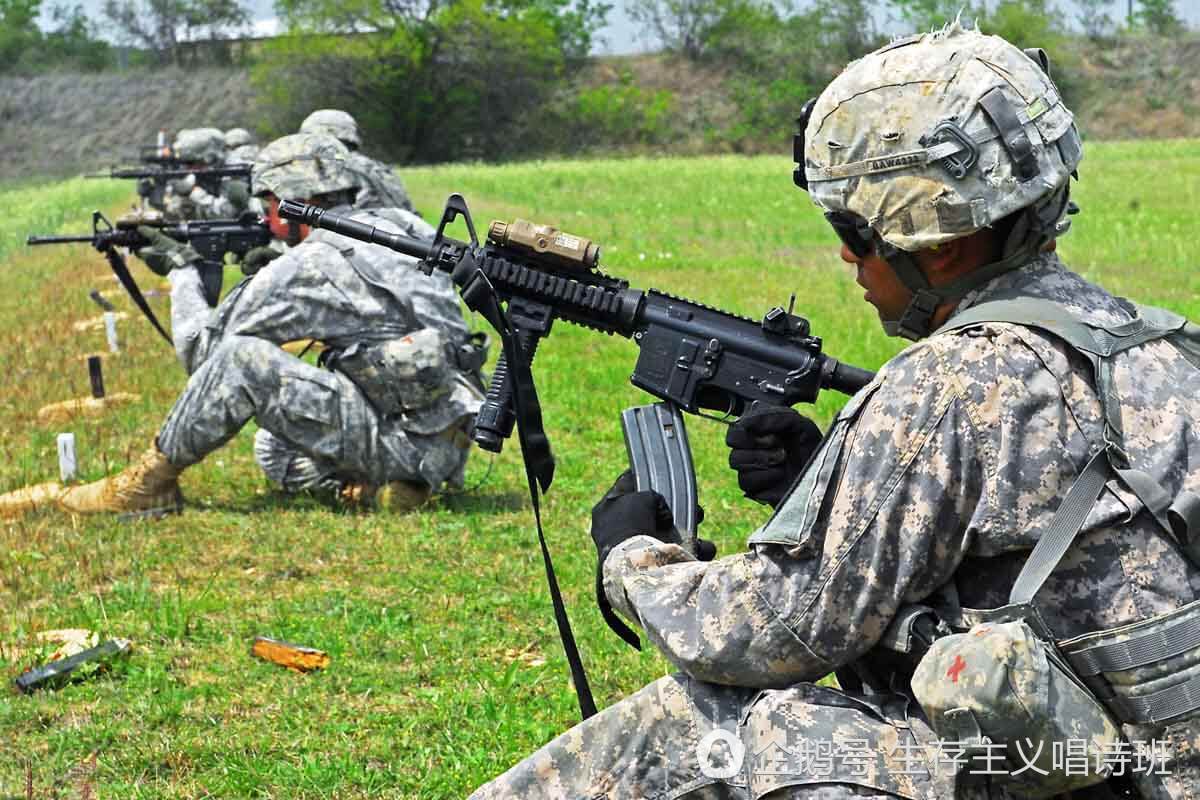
pixel 397 497
pixel 148 486
pixel 29 498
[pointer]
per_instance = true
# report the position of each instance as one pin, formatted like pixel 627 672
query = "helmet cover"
pixel 333 122
pixel 236 137
pixel 301 166
pixel 200 145
pixel 936 136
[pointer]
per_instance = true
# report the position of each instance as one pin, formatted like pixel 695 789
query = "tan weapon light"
pixel 543 241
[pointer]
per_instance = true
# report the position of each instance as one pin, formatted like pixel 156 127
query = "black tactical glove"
pixel 162 253
pixel 145 187
pixel 768 448
pixel 622 514
pixel 238 193
pixel 258 257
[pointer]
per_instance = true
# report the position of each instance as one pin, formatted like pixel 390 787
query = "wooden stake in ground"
pixel 96 376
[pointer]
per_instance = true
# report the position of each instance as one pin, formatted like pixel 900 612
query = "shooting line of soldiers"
pixel 994 544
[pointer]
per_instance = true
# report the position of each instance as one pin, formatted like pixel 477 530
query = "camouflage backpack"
pixel 1006 683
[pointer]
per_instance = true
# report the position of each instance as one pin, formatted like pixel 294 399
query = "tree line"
pixel 437 80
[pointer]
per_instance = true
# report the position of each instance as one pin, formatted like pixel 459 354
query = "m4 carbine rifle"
pixel 177 170
pixel 212 239
pixel 692 357
pixel 165 169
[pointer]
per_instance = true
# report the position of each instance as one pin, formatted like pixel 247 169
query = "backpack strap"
pixel 1120 653
pixel 1179 517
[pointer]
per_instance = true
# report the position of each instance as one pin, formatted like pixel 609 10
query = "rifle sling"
pixel 539 467
pixel 117 262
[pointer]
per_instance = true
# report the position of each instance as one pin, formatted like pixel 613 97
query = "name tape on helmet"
pixel 927 155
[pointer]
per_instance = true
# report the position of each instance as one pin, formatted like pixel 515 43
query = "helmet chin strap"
pixel 293 234
pixel 1038 224
pixel 917 320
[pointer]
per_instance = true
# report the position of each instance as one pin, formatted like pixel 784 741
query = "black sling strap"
pixel 117 262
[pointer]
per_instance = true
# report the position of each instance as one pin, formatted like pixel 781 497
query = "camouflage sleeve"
pixel 190 318
pixel 211 206
pixel 883 516
pixel 381 186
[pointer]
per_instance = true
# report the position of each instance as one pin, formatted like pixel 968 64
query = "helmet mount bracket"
pixel 958 163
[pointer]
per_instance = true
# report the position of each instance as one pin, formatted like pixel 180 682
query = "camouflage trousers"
pixel 240 373
pixel 681 738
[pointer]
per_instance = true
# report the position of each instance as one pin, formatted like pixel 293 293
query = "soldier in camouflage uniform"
pixel 385 422
pixel 943 162
pixel 241 149
pixel 380 184
pixel 191 197
pixel 240 144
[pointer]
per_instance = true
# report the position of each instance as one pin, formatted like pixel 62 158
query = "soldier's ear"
pixel 950 260
pixel 942 260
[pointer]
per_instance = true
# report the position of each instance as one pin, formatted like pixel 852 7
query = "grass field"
pixel 445 665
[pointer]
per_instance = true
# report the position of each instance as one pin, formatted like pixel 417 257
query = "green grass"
pixel 43 209
pixel 445 665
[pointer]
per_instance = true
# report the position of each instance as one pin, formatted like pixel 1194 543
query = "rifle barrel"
pixel 33 241
pixel 317 217
pixel 164 173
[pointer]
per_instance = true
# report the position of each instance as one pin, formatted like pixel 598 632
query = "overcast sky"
pixel 621 36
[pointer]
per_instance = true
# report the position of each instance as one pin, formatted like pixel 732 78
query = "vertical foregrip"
pixel 494 422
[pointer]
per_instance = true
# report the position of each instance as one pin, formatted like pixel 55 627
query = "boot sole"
pixel 149 513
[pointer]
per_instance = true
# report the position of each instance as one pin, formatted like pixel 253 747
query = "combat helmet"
pixel 333 122
pixel 200 145
pixel 237 137
pixel 932 138
pixel 301 166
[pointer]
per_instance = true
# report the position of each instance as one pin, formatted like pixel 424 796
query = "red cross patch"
pixel 956 668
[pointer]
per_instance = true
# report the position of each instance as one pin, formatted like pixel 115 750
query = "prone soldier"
pixel 193 197
pixel 241 146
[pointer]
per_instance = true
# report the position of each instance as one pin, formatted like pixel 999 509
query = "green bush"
pixel 623 113
pixel 473 80
pixel 778 62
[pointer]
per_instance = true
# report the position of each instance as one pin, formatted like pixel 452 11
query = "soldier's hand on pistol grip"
pixel 145 187
pixel 768 449
pixel 258 257
pixel 162 253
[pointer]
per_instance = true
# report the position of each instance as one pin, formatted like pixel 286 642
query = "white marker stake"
pixel 67 465
pixel 110 330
